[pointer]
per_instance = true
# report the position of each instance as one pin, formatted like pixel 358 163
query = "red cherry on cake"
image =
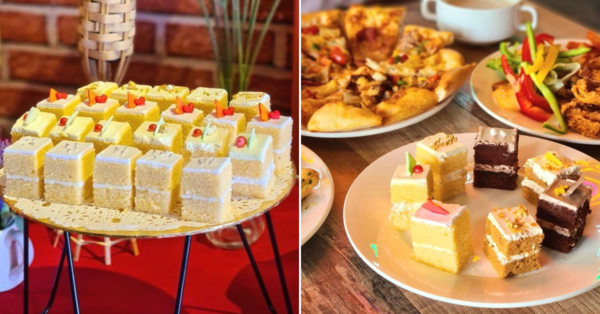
pixel 140 101
pixel 274 115
pixel 62 121
pixel 229 111
pixel 418 169
pixel 197 132
pixel 61 95
pixel 189 108
pixel 240 141
pixel 25 116
pixel 98 128
pixel 101 99
pixel 152 127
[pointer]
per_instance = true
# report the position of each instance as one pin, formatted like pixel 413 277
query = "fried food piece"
pixel 310 179
pixel 406 103
pixel 586 92
pixel 452 80
pixel 336 117
pixel 583 118
pixel 418 40
pixel 372 32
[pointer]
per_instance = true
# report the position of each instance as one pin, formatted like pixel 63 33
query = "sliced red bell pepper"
pixel 526 106
pixel 508 72
pixel 539 39
pixel 535 98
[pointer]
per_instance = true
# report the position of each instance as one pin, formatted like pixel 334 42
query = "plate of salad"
pixel 544 86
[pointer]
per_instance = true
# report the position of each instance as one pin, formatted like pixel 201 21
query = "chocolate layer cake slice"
pixel 496 158
pixel 561 212
pixel 543 170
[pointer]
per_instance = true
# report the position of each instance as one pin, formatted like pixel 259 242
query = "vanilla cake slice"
pixel 68 172
pixel 114 173
pixel 280 128
pixel 206 190
pixel 253 165
pixel 157 182
pixel 24 167
pixel 247 103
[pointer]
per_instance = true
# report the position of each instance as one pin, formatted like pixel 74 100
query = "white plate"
pixel 562 276
pixel 316 206
pixel 481 87
pixel 380 129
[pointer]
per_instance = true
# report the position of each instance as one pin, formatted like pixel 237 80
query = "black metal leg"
pixel 184 263
pixel 56 280
pixel 256 270
pixel 26 269
pixel 71 272
pixel 286 294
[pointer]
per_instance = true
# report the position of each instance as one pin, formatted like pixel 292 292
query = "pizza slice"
pixel 423 41
pixel 372 32
pixel 337 116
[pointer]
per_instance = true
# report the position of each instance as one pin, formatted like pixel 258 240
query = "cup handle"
pixel 16 236
pixel 534 16
pixel 428 15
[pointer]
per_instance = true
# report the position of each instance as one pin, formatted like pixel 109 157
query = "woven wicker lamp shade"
pixel 107 28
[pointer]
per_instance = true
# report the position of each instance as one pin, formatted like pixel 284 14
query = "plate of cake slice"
pixel 488 219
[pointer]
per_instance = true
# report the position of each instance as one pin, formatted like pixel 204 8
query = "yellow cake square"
pixel 137 90
pixel 72 128
pixel 136 114
pixel 211 142
pixel 253 165
pixel 411 187
pixel 165 95
pixel 168 137
pixel 204 98
pixel 33 123
pixel 98 88
pixel 157 182
pixel 114 171
pixel 235 123
pixel 98 110
pixel 107 133
pixel 24 167
pixel 68 172
pixel 186 119
pixel 280 129
pixel 59 104
pixel 247 103
pixel 206 190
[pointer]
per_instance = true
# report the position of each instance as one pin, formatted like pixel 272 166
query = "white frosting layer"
pixel 532 185
pixel 73 184
pixel 255 181
pixel 271 123
pixel 24 178
pixel 547 171
pixel 220 199
pixel 555 201
pixel 256 150
pixel 118 154
pixel 427 246
pixel 502 217
pixel 213 165
pixel 70 150
pixel 505 260
pixel 425 216
pixel 405 206
pixel 497 168
pixel 142 110
pixel 444 151
pixel 453 176
pixel 497 136
pixel 42 122
pixel 115 130
pixel 112 186
pixel 159 158
pixel 560 230
pixel 185 117
pixel 213 141
pixel 232 120
pixel 401 176
pixel 98 107
pixel 59 103
pixel 142 135
pixel 28 145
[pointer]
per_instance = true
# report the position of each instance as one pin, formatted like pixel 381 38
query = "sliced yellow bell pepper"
pixel 539 61
pixel 548 63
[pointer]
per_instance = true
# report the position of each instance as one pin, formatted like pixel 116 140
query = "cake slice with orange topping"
pixel 165 95
pixel 97 107
pixel 59 104
pixel 204 98
pixel 137 90
pixel 137 110
pixel 185 115
pixel 280 129
pixel 541 171
pixel 227 118
pixel 247 103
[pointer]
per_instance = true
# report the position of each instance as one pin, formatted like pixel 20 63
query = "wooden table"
pixel 334 278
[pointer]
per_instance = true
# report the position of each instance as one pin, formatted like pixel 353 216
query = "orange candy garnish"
pixel 263 112
pixel 178 105
pixel 130 100
pixel 91 98
pixel 220 109
pixel 52 97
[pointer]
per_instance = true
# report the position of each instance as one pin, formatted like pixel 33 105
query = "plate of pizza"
pixel 365 73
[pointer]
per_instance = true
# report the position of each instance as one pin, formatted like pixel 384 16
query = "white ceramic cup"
pixel 479 26
pixel 11 257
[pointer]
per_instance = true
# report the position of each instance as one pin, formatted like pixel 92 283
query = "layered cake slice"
pixel 204 98
pixel 208 141
pixel 33 123
pixel 247 103
pixel 448 159
pixel 253 165
pixel 280 128
pixel 59 104
pixel 24 167
pixel 98 107
pixel 137 110
pixel 158 135
pixel 496 158
pixel 98 88
pixel 157 182
pixel 108 132
pixel 562 211
pixel 185 115
pixel 68 172
pixel 206 190
pixel 411 186
pixel 114 171
pixel 165 95
pixel 512 241
pixel 543 170
pixel 72 128
pixel 228 119
pixel 137 90
pixel 441 235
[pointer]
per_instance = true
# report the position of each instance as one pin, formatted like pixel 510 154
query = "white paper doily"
pixel 98 221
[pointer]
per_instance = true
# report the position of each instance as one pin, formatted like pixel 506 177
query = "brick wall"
pixel 39 50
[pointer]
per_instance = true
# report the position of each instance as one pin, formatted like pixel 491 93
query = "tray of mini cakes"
pixel 137 160
pixel 488 219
